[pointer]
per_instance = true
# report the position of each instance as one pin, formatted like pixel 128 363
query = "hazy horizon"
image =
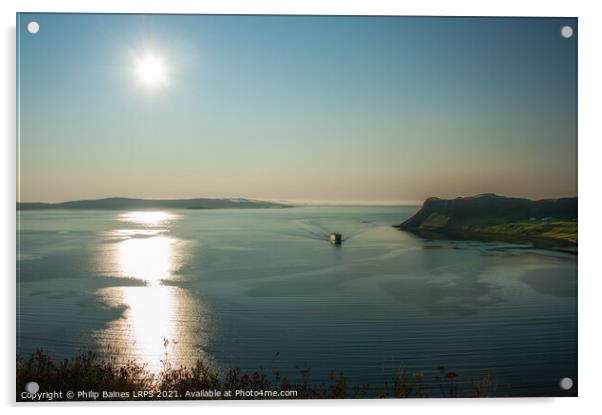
pixel 285 201
pixel 294 202
pixel 346 110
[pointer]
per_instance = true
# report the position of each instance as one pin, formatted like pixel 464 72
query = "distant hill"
pixel 489 216
pixel 120 203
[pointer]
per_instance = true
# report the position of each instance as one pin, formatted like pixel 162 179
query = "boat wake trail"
pixel 316 230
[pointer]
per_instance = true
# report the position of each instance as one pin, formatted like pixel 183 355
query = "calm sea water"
pixel 263 289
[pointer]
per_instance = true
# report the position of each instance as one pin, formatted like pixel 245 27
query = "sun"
pixel 151 71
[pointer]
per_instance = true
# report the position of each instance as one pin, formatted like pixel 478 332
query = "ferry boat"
pixel 336 238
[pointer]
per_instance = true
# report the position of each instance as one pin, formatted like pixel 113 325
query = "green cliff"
pixel 489 216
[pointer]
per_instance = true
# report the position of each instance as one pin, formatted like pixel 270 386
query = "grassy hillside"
pixel 489 216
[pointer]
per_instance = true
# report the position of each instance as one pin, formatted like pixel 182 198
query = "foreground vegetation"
pixel 89 373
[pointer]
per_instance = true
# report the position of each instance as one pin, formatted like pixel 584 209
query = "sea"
pixel 264 290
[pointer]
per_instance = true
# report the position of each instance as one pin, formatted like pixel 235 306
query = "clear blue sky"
pixel 370 109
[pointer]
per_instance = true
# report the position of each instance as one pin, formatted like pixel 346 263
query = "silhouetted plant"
pixel 88 373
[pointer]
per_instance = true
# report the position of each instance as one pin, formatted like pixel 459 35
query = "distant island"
pixel 121 203
pixel 547 222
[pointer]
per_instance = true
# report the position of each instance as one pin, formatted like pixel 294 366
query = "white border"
pixel 590 274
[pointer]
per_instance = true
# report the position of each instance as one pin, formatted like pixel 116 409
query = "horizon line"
pixel 299 202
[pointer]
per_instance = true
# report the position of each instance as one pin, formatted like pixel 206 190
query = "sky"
pixel 298 108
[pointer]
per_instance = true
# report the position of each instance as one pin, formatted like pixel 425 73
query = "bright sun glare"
pixel 151 70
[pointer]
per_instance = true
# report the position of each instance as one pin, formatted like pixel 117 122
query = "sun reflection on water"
pixel 147 259
pixel 161 325
pixel 148 218
pixel 160 322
